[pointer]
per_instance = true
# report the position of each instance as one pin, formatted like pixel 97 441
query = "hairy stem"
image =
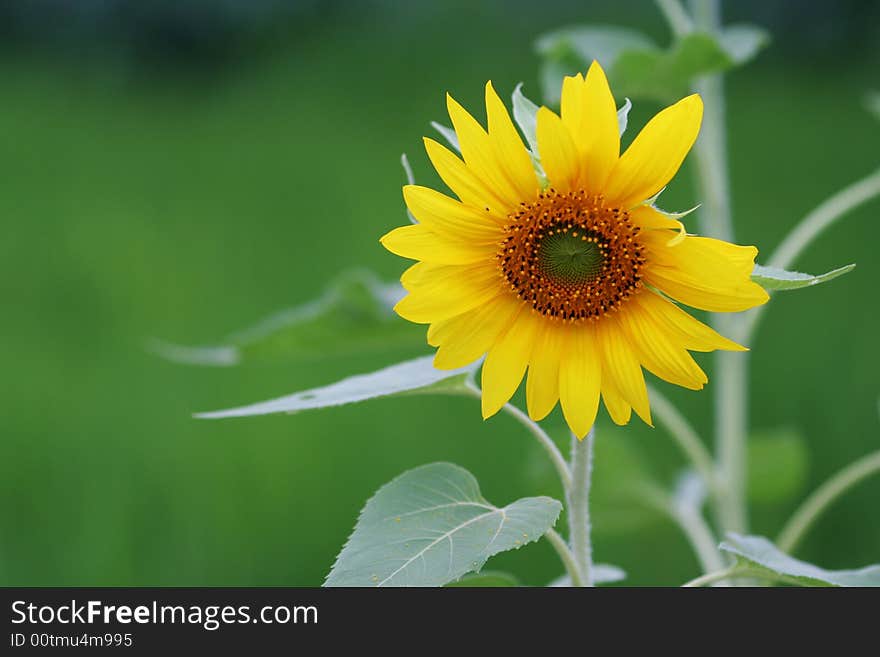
pixel 579 504
pixel 823 497
pixel 566 556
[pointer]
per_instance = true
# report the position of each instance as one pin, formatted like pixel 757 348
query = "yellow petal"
pixel 414 275
pixel 417 242
pixel 617 407
pixel 507 361
pixel 443 291
pixel 705 273
pixel 446 216
pixel 466 184
pixel 589 112
pixel 620 366
pixel 656 154
pixel 559 156
pixel 658 349
pixel 542 385
pixel 479 154
pixel 466 337
pixel 580 374
pixel 692 333
pixel 511 152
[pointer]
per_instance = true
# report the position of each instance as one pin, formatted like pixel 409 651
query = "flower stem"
pixel 540 435
pixel 823 497
pixel 579 504
pixel 731 421
pixel 711 578
pixel 731 368
pixel 566 557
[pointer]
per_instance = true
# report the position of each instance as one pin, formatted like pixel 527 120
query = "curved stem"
pixel 823 497
pixel 700 536
pixel 676 16
pixel 692 524
pixel 711 578
pixel 540 435
pixel 823 216
pixel 808 229
pixel 566 556
pixel 684 434
pixel 579 504
pixel 741 571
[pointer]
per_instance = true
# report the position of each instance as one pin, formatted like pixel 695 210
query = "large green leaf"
pixel 485 579
pixel 759 555
pixel 417 376
pixel 430 526
pixel 636 66
pixel 774 279
pixel 778 463
pixel 353 315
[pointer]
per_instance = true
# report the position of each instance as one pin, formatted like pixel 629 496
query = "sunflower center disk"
pixel 571 257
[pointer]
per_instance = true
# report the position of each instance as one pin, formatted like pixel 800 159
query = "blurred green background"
pixel 180 170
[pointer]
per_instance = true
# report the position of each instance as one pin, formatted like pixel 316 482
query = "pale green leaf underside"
pixel 353 315
pixel 430 526
pixel 775 279
pixel 603 573
pixel 756 552
pixel 410 377
pixel 486 579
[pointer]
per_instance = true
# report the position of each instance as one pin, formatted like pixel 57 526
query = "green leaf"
pixel 353 315
pixel 636 66
pixel 603 573
pixel 774 279
pixel 778 461
pixel 430 526
pixel 572 49
pixel 623 116
pixel 756 553
pixel 485 579
pixel 417 376
pixel 525 114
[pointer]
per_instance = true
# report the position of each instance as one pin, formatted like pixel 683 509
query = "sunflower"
pixel 564 267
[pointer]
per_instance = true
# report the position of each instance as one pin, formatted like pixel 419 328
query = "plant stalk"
pixel 731 368
pixel 823 497
pixel 579 504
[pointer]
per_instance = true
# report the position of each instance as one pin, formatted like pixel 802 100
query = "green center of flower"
pixel 570 256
